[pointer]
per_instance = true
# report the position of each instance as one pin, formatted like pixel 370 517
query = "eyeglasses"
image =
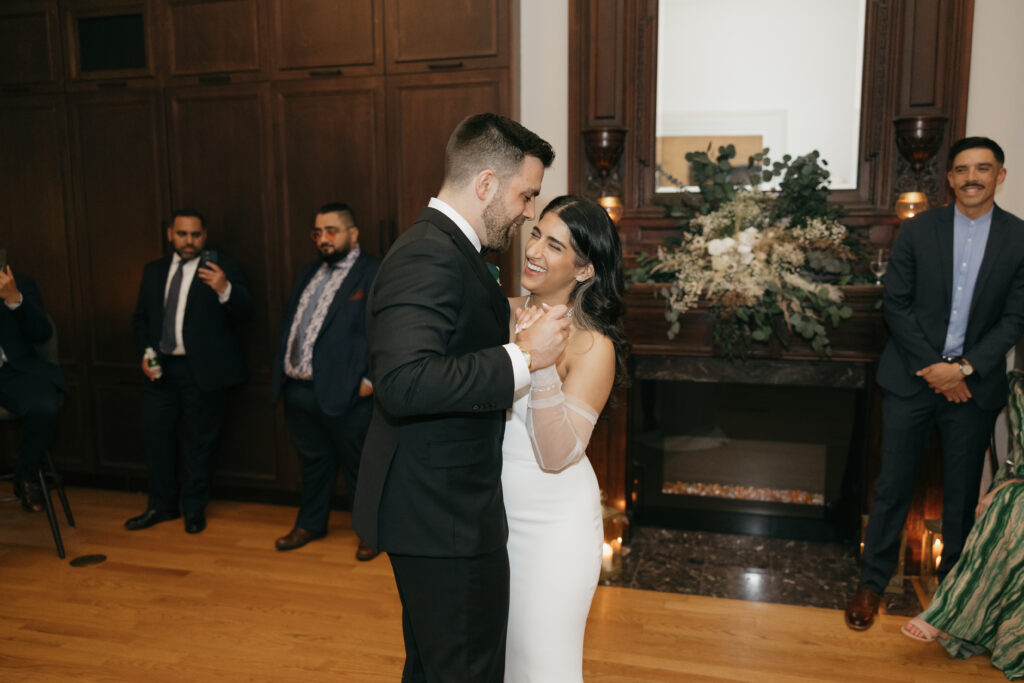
pixel 332 231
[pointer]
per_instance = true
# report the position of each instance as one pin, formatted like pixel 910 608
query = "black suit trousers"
pixel 324 442
pixel 36 402
pixel 907 423
pixel 454 617
pixel 174 399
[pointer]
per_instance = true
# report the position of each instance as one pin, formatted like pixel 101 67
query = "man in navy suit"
pixel 29 385
pixel 954 304
pixel 187 314
pixel 321 370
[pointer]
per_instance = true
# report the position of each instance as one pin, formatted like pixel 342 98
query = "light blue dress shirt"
pixel 969 240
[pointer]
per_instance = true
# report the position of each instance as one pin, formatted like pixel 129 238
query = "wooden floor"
pixel 225 606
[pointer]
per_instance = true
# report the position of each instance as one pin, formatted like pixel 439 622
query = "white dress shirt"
pixel 520 371
pixel 188 273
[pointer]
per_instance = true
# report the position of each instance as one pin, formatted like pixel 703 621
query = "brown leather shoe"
pixel 861 610
pixel 30 494
pixel 297 538
pixel 365 553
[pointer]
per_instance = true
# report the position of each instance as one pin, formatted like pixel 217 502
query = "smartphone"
pixel 3 259
pixel 207 256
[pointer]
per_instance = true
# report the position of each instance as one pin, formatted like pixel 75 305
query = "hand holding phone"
pixel 210 273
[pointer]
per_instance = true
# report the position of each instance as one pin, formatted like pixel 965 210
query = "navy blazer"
pixel 209 330
pixel 430 475
pixel 918 295
pixel 339 352
pixel 23 328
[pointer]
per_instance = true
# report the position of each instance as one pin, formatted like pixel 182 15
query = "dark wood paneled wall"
pixel 916 62
pixel 255 112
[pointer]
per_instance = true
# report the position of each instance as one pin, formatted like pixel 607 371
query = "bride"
pixel 552 500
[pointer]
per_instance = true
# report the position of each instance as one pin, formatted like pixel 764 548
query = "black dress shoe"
pixel 30 494
pixel 148 519
pixel 193 525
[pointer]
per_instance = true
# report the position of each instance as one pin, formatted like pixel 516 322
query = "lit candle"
pixel 606 557
pixel 937 551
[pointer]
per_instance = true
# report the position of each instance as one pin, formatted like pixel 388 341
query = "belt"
pixel 950 359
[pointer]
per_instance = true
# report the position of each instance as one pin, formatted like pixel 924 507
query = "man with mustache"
pixel 954 304
pixel 186 318
pixel 320 369
pixel 444 374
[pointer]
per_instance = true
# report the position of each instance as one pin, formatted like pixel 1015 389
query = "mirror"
pixel 784 74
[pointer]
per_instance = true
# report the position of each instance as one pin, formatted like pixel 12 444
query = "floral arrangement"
pixel 770 263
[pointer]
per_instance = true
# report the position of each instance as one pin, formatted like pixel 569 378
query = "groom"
pixel 444 374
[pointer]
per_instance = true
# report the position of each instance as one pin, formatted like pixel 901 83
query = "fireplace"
pixel 764 446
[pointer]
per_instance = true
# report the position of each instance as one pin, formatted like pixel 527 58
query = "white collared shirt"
pixel 188 273
pixel 520 371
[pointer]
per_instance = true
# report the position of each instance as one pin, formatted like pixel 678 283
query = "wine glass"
pixel 878 265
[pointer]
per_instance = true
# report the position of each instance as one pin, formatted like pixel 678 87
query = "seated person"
pixel 28 384
pixel 978 606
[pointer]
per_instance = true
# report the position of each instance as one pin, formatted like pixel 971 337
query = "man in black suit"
pixel 954 303
pixel 187 312
pixel 29 385
pixel 444 374
pixel 320 368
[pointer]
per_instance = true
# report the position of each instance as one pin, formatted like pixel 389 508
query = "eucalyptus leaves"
pixel 771 264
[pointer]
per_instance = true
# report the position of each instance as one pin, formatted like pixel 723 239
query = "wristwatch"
pixel 965 366
pixel 526 357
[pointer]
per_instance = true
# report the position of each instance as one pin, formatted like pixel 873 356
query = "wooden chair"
pixel 49 478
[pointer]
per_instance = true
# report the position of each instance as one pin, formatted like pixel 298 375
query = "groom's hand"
pixel 546 338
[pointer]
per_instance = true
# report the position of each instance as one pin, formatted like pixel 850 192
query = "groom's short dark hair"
pixel 491 141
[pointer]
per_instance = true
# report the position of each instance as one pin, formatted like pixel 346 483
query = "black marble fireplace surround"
pixel 762 431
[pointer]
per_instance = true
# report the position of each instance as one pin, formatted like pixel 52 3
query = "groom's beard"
pixel 500 229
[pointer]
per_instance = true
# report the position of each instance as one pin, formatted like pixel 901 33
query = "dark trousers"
pixel 454 617
pixel 36 403
pixel 177 398
pixel 324 442
pixel 907 423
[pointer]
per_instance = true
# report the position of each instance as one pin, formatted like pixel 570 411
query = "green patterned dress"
pixel 981 602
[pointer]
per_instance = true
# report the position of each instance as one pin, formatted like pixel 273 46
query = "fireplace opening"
pixel 733 457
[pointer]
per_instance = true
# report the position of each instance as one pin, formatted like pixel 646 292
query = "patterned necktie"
pixel 168 339
pixel 307 316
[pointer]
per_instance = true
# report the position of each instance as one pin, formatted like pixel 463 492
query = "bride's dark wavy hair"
pixel 596 303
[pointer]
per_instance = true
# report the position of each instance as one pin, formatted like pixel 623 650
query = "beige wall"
pixel 996 99
pixel 544 87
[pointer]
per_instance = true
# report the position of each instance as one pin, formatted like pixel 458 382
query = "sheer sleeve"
pixel 559 424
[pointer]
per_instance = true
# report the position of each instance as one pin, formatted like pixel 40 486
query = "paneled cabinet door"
pixel 446 35
pixel 219 156
pixel 331 148
pixel 423 111
pixel 214 40
pixel 30 56
pixel 118 160
pixel 323 38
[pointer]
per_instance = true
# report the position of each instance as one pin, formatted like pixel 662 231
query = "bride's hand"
pixel 526 317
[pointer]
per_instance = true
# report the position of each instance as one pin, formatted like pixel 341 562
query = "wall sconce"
pixel 931 554
pixel 918 138
pixel 604 148
pixel 909 204
pixel 616 537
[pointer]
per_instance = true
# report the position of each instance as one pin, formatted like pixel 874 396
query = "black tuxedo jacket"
pixel 430 476
pixel 339 353
pixel 918 294
pixel 209 329
pixel 23 328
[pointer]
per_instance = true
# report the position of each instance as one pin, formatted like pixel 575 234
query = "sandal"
pixel 929 631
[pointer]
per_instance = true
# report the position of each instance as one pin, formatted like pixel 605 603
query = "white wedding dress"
pixel 555 541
